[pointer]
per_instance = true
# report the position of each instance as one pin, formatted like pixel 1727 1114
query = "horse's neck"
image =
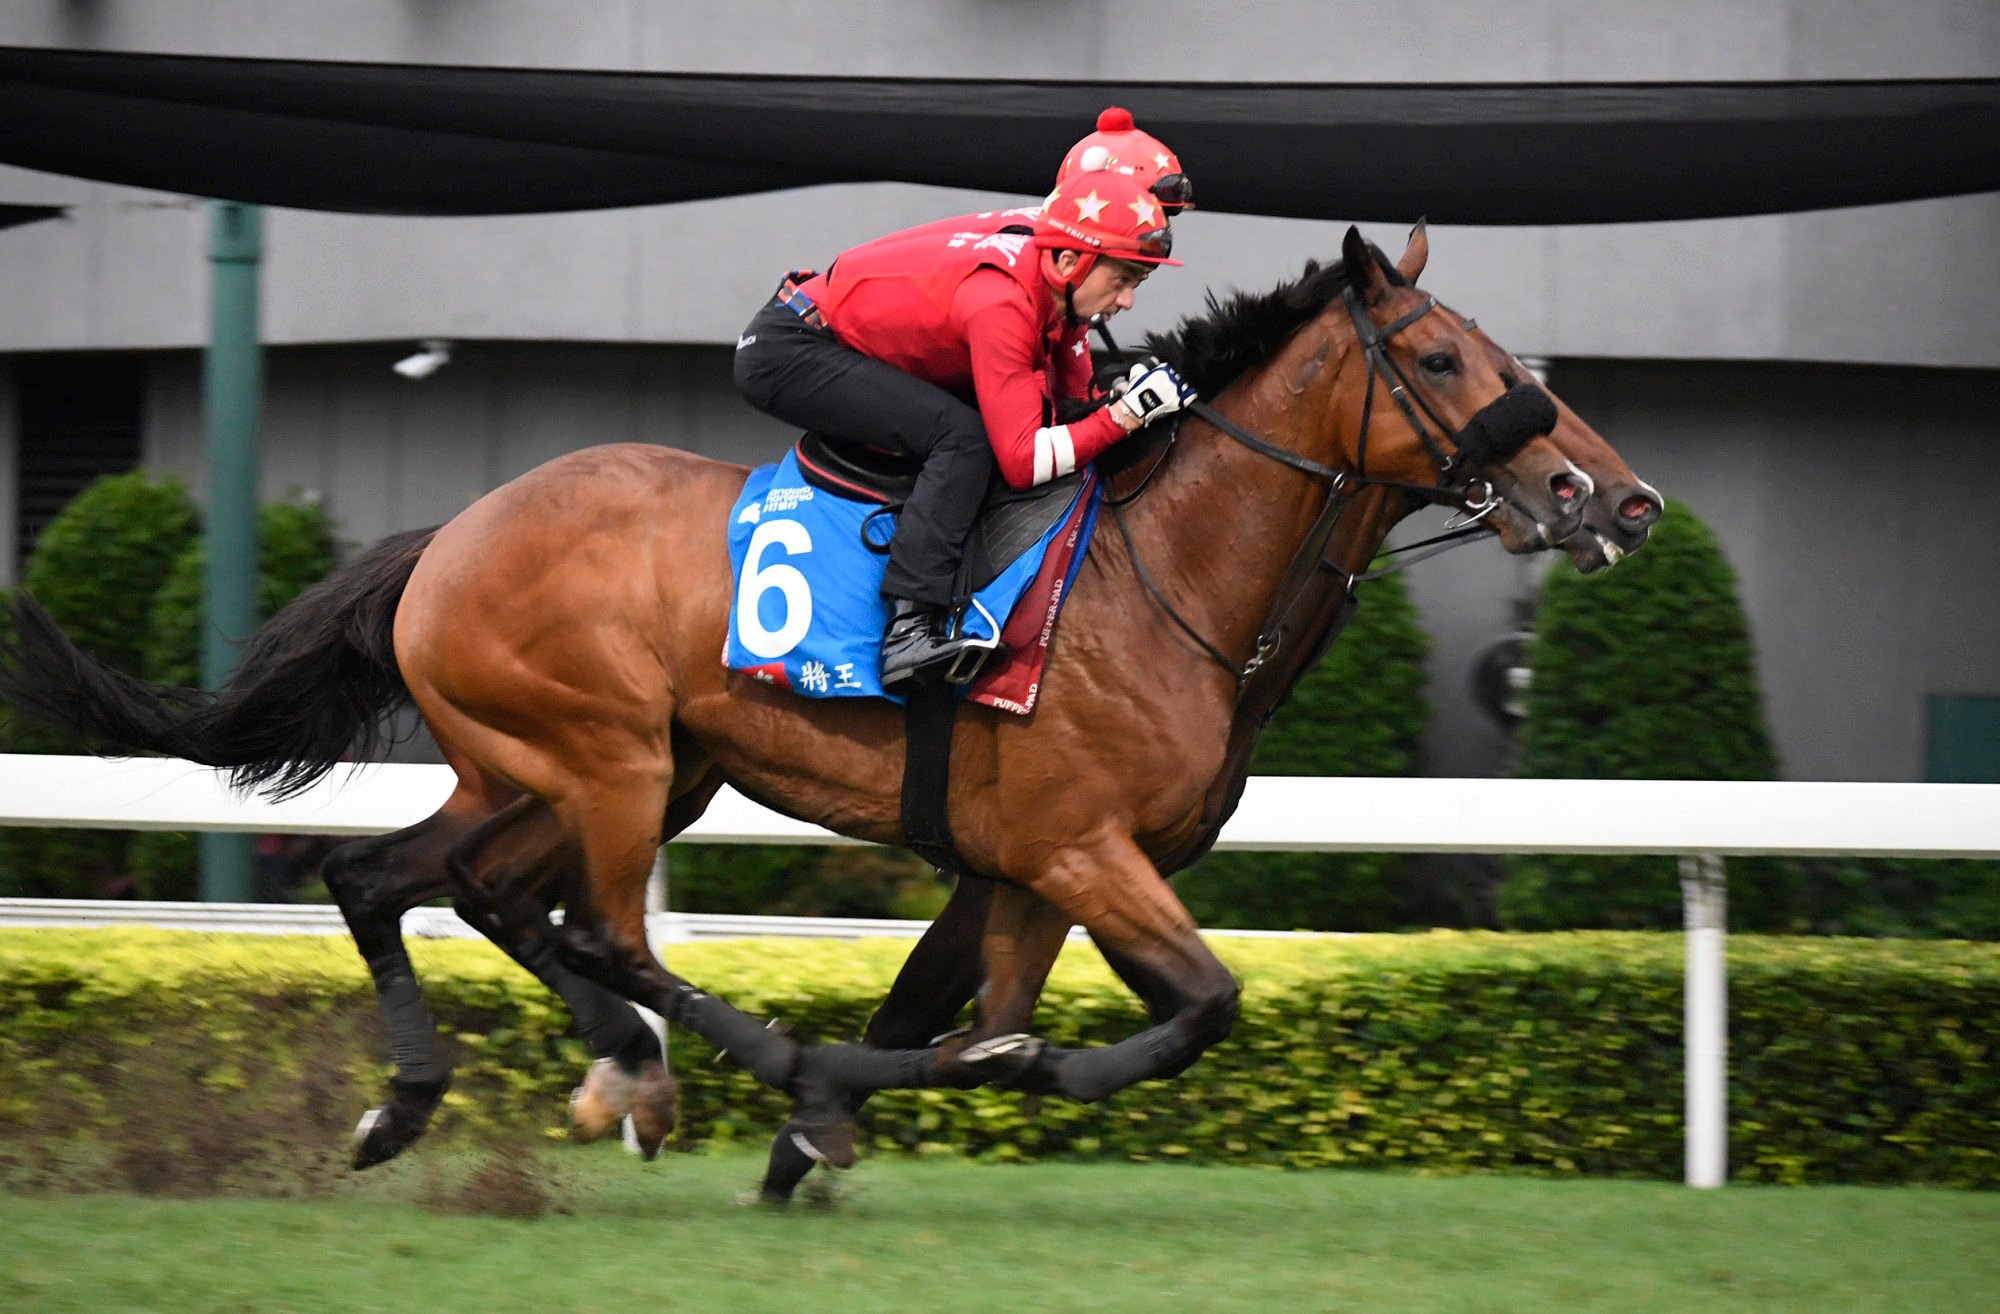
pixel 1221 527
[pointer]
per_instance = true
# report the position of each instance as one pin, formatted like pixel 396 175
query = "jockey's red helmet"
pixel 1108 214
pixel 1120 147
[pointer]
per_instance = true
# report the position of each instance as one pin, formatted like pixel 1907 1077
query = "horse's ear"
pixel 1416 254
pixel 1357 259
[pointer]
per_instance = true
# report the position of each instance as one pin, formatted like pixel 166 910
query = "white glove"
pixel 1152 390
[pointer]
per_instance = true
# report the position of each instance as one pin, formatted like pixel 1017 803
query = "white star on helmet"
pixel 1088 208
pixel 1163 160
pixel 1143 209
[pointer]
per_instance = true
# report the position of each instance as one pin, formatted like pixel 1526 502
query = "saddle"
pixel 1009 522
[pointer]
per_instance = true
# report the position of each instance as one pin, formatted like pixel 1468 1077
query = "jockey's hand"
pixel 1115 376
pixel 1153 390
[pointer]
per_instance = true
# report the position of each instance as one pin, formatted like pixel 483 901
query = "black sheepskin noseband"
pixel 1504 426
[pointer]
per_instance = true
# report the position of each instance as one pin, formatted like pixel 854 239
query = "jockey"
pixel 947 345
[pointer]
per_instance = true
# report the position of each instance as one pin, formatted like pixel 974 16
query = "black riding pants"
pixel 805 376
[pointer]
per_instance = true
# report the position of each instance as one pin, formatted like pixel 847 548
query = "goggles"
pixel 1174 189
pixel 1155 244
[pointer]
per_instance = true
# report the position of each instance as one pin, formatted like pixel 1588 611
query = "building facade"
pixel 1819 388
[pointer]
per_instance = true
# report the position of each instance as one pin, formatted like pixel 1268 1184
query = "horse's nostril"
pixel 1639 509
pixel 1567 488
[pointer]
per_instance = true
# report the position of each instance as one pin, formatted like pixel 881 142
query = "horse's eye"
pixel 1439 362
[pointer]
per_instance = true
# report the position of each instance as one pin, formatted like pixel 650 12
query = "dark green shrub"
pixel 1647 673
pixel 782 880
pixel 1851 1061
pixel 96 569
pixel 295 550
pixel 1360 712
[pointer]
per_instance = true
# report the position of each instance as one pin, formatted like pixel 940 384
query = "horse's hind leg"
pixel 376 880
pixel 521 847
pixel 615 819
pixel 630 1075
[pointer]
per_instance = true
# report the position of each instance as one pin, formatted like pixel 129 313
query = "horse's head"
pixel 1619 508
pixel 1622 506
pixel 1438 408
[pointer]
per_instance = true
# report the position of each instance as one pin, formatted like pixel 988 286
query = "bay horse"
pixel 559 639
pixel 952 965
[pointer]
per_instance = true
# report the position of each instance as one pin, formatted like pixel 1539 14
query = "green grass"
pixel 965 1238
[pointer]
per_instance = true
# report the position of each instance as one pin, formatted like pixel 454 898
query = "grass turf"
pixel 906 1235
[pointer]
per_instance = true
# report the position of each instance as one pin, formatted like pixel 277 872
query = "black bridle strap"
pixel 1374 345
pixel 1438 545
pixel 1283 456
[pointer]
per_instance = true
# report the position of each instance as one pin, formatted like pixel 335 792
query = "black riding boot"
pixel 923 639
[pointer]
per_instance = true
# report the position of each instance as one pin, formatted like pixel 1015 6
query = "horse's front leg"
pixel 1111 888
pixel 939 978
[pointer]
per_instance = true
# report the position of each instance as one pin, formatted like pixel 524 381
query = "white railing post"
pixel 1705 913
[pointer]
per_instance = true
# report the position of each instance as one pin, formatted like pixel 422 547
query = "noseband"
pixel 1494 433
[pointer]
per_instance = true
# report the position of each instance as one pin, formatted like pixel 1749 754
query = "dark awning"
pixel 415 139
pixel 14 215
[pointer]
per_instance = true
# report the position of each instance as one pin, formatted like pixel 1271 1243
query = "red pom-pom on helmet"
pixel 1119 147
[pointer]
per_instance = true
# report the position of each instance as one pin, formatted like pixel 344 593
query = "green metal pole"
pixel 233 386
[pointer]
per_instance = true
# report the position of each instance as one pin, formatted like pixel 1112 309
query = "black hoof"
pixel 387 1130
pixel 378 1138
pixel 822 1124
pixel 824 1135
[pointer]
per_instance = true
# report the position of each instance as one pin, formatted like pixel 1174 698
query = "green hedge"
pixel 96 567
pixel 1852 1061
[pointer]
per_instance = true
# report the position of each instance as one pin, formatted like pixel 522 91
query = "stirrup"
pixel 972 654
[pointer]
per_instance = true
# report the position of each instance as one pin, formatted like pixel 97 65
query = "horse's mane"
pixel 1213 348
pixel 1233 333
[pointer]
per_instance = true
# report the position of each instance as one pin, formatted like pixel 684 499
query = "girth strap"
pixel 929 708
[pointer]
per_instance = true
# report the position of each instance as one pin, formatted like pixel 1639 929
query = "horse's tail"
pixel 313 685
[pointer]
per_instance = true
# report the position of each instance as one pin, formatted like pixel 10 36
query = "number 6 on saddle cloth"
pixel 806 541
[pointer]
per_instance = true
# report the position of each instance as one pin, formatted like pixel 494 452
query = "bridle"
pixel 1474 497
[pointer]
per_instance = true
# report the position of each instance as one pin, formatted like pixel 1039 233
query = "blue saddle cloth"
pixel 808 611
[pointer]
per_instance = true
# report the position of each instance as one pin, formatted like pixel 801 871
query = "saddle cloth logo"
pixel 808 613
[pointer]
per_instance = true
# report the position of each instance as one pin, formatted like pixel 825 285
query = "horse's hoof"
pixel 826 1137
pixel 600 1104
pixel 376 1139
pixel 655 1105
pixel 1002 1059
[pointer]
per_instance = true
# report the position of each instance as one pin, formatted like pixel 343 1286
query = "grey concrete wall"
pixel 1264 40
pixel 384 453
pixel 1854 507
pixel 125 270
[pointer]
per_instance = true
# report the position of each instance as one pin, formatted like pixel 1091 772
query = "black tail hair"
pixel 312 687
